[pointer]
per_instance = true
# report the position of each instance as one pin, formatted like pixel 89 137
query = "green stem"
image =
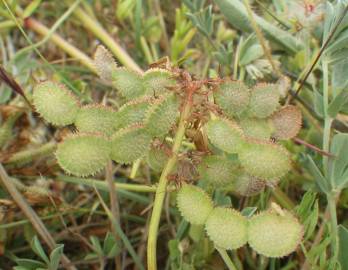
pixel 226 258
pixel 162 187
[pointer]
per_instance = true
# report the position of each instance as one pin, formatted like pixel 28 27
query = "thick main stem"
pixel 161 189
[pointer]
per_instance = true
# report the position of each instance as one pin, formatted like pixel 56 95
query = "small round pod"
pixel 287 122
pixel 274 233
pixel 225 135
pixel 217 171
pixel 232 97
pixel 96 119
pixel 83 154
pixel 55 103
pixel 248 185
pixel 104 63
pixel 130 144
pixel 156 81
pixel 162 114
pixel 265 160
pixel 227 228
pixel 132 112
pixel 157 157
pixel 194 204
pixel 264 100
pixel 128 83
pixel 256 128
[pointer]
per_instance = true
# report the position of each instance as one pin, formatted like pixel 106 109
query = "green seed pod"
pixel 287 122
pixel 248 185
pixel 162 115
pixel 96 119
pixel 156 81
pixel 264 100
pixel 132 112
pixel 256 128
pixel 274 234
pixel 157 157
pixel 227 228
pixel 225 135
pixel 264 160
pixel 83 154
pixel 128 83
pixel 130 144
pixel 55 103
pixel 217 170
pixel 232 97
pixel 104 63
pixel 194 204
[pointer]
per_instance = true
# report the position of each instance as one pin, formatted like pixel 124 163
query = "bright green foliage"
pixel 274 233
pixel 157 157
pixel 256 128
pixel 227 228
pixel 55 103
pixel 194 204
pixel 264 100
pixel 248 185
pixel 287 122
pixel 217 170
pixel 225 135
pixel 157 81
pixel 232 97
pixel 83 154
pixel 96 118
pixel 130 144
pixel 265 160
pixel 132 112
pixel 128 83
pixel 162 115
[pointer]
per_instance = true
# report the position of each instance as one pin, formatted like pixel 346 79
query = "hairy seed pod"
pixel 83 154
pixel 264 100
pixel 256 128
pixel 264 160
pixel 104 63
pixel 232 97
pixel 132 112
pixel 248 185
pixel 128 83
pixel 130 144
pixel 194 204
pixel 287 122
pixel 157 157
pixel 156 81
pixel 225 135
pixel 55 103
pixel 162 114
pixel 217 170
pixel 274 234
pixel 96 119
pixel 227 228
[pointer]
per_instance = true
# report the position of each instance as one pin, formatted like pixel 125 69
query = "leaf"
pixel 29 264
pixel 55 257
pixel 203 20
pixel 318 176
pixel 31 8
pixel 96 244
pixel 338 102
pixel 38 249
pixel 343 246
pixel 249 211
pixel 339 74
pixel 110 246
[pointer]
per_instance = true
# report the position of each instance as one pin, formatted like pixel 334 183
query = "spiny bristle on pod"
pixel 248 185
pixel 217 170
pixel 256 128
pixel 227 228
pixel 130 144
pixel 132 112
pixel 264 160
pixel 96 119
pixel 55 103
pixel 104 63
pixel 225 135
pixel 162 114
pixel 83 154
pixel 287 122
pixel 156 81
pixel 264 100
pixel 194 204
pixel 128 83
pixel 274 234
pixel 232 97
pixel 157 157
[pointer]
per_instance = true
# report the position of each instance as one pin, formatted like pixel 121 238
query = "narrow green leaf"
pixel 318 176
pixel 337 103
